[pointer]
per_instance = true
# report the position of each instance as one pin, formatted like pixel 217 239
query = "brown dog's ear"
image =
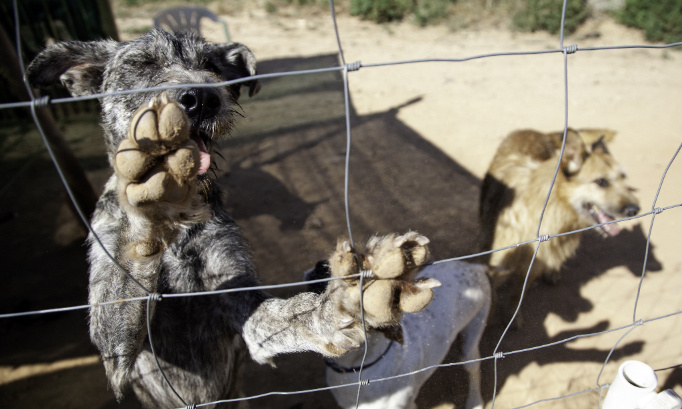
pixel 78 65
pixel 574 153
pixel 235 60
pixel 599 146
pixel 591 136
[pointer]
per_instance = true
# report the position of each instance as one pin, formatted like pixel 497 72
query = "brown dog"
pixel 590 189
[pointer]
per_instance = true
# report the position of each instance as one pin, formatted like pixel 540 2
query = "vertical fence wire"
pixel 346 194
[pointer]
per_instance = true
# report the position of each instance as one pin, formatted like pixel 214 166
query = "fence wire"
pixel 346 68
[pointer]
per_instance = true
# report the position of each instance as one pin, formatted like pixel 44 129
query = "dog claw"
pixel 427 283
pixel 422 240
pixel 346 323
pixel 411 237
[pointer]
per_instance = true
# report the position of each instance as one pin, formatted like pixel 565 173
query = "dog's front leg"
pixel 151 197
pixel 330 323
pixel 156 168
pixel 118 329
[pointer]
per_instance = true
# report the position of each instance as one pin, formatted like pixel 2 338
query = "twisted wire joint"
pixel 155 297
pixel 366 273
pixel 41 102
pixel 571 49
pixel 354 66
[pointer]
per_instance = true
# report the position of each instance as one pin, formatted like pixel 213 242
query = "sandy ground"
pixel 431 130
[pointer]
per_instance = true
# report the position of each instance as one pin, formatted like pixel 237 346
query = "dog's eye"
pixel 142 64
pixel 601 182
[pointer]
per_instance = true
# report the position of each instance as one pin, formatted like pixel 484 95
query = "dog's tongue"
pixel 204 156
pixel 610 229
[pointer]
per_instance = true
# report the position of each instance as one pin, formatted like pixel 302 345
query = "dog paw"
pixel 391 290
pixel 158 159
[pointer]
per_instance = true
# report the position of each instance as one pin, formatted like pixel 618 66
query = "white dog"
pixel 459 306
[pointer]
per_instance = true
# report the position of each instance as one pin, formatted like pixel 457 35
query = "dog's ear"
pixel 234 61
pixel 574 153
pixel 78 65
pixel 590 136
pixel 596 139
pixel 599 146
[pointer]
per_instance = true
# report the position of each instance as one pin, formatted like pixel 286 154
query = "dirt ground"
pixel 422 137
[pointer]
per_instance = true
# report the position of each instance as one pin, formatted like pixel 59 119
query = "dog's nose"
pixel 630 210
pixel 200 102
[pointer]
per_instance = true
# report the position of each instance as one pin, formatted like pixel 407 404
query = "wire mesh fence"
pixel 347 70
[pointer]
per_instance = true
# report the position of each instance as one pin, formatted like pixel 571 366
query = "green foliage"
pixel 533 15
pixel 661 20
pixel 381 11
pixel 384 11
pixel 430 11
pixel 141 2
pixel 545 15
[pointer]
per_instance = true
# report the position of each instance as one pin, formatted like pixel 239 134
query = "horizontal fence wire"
pixel 346 68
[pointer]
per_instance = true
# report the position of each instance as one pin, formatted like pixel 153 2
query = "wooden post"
pixel 106 17
pixel 75 176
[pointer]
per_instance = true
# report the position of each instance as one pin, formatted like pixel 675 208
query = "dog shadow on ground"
pixel 594 257
pixel 284 172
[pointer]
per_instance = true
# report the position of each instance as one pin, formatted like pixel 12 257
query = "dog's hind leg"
pixel 471 337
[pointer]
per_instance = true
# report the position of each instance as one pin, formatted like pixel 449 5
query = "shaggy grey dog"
pixel 165 231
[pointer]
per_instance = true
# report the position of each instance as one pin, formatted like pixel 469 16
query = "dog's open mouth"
pixel 600 216
pixel 204 157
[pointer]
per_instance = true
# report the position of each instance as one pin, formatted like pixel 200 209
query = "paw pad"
pixel 160 126
pixel 394 261
pixel 158 159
